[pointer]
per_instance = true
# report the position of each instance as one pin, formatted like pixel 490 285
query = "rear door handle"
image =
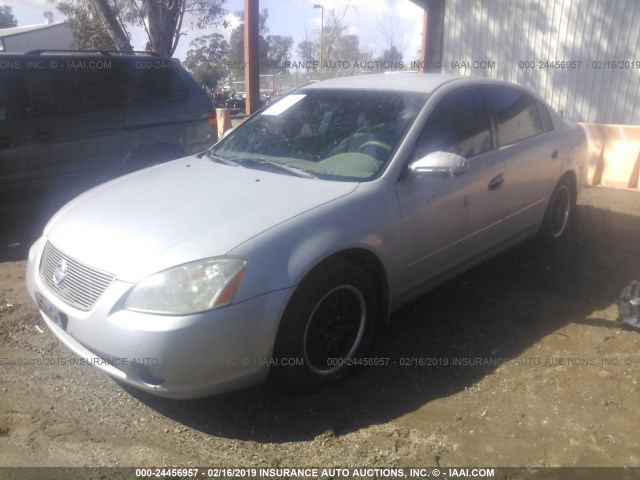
pixel 554 154
pixel 496 182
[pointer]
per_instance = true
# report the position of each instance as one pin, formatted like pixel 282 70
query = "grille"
pixel 82 286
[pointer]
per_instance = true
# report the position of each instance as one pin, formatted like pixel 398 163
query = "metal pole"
pixel 321 34
pixel 252 72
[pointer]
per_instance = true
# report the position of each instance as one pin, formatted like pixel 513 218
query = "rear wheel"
pixel 326 327
pixel 560 211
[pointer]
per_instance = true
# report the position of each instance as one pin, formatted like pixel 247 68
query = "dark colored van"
pixel 70 120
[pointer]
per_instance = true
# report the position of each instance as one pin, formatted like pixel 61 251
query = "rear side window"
pixel 459 124
pixel 516 114
pixel 50 93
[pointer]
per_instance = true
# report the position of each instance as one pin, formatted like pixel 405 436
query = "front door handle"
pixel 496 182
pixel 554 154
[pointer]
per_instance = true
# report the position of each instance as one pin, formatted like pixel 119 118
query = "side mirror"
pixel 441 164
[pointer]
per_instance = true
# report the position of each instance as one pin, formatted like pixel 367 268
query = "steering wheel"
pixel 374 143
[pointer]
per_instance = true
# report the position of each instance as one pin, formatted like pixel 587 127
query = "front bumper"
pixel 176 357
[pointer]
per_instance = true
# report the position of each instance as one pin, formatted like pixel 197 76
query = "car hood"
pixel 181 211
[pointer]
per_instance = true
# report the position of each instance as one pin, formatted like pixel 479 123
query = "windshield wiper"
pixel 297 171
pixel 220 159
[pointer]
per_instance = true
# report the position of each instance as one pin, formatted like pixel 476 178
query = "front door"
pixel 441 214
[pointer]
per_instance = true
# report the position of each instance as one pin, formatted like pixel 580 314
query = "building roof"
pixel 9 32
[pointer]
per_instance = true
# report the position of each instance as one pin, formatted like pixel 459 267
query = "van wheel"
pixel 560 212
pixel 326 328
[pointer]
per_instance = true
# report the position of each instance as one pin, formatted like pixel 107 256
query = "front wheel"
pixel 326 327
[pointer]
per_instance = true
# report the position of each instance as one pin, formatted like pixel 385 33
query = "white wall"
pixel 57 37
pixel 593 32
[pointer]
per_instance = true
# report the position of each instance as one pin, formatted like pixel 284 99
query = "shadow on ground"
pixel 496 311
pixel 19 232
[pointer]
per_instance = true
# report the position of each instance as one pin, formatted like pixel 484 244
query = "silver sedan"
pixel 277 253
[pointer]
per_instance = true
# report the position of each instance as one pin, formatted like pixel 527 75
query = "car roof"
pixel 402 82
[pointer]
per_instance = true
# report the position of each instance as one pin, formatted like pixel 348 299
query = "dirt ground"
pixel 523 365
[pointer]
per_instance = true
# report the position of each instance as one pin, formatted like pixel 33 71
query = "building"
pixel 581 56
pixel 50 35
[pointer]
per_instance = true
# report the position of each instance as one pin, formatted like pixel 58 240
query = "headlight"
pixel 190 288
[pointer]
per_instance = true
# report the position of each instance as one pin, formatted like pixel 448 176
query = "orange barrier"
pixel 614 155
pixel 223 115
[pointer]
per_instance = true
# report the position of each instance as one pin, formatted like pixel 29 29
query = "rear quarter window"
pixel 545 117
pixel 156 86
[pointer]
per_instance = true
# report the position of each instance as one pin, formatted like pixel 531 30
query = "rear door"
pixel 75 126
pixel 14 172
pixel 531 152
pixel 166 108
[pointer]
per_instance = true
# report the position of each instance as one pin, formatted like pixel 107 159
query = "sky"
pixel 369 19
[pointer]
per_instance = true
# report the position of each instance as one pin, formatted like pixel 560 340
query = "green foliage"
pixel 307 51
pixel 207 58
pixel 88 31
pixel 273 50
pixel 7 20
pixel 278 52
pixel 207 74
pixel 162 20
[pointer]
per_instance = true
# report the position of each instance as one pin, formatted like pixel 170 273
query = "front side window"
pixel 516 114
pixel 459 124
pixel 332 134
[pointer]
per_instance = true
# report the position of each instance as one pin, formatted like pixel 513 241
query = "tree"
pixel 340 50
pixel 392 54
pixel 162 20
pixel 88 30
pixel 7 20
pixel 206 59
pixel 207 74
pixel 273 50
pixel 278 52
pixel 236 44
pixel 307 52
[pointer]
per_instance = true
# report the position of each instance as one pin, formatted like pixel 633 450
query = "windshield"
pixel 333 134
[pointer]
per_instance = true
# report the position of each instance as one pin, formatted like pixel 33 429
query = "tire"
pixel 326 327
pixel 560 212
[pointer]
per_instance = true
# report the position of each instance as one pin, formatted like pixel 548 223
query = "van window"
pixel 55 93
pixel 515 113
pixel 155 86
